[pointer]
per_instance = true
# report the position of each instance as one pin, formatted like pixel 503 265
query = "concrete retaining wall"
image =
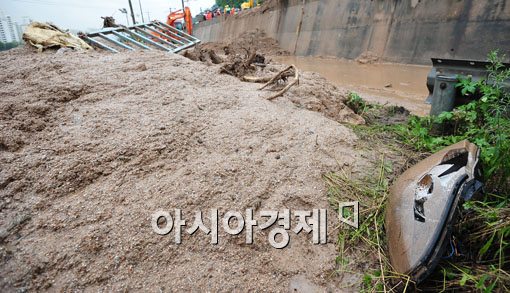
pixel 406 31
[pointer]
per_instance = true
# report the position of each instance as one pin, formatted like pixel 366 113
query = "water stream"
pixel 396 84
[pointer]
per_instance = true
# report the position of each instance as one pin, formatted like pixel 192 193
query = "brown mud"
pixel 93 143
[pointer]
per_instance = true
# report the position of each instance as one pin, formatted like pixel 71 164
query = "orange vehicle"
pixel 179 14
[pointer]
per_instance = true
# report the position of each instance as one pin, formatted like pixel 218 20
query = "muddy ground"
pixel 93 143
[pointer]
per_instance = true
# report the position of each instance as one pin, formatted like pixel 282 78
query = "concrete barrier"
pixel 406 31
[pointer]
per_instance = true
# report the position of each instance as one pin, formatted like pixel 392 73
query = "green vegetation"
pixel 368 240
pixel 7 46
pixel 357 104
pixel 480 260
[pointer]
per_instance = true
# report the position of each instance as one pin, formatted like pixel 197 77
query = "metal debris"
pixel 422 205
pixel 146 36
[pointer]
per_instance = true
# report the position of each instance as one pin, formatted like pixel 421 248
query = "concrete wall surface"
pixel 405 31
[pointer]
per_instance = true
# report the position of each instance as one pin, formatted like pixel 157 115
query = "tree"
pixel 8 45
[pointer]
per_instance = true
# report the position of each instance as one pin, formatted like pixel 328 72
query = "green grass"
pixel 371 192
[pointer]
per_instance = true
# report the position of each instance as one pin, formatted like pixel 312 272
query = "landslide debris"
pixel 92 143
pixel 240 56
pixel 249 58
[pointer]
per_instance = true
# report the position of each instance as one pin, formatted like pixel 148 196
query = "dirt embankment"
pixel 93 143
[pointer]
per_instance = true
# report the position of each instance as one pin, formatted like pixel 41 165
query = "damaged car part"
pixel 422 205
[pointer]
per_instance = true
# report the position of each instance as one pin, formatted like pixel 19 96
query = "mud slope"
pixel 91 144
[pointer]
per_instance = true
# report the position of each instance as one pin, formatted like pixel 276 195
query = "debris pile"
pixel 200 53
pixel 240 57
pixel 244 59
pixel 249 59
pixel 249 48
pixel 282 76
pixel 241 65
pixel 45 35
pixel 367 57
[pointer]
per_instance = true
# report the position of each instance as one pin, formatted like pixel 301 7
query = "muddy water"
pixel 396 84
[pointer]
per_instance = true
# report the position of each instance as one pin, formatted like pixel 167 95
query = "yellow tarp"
pixel 44 35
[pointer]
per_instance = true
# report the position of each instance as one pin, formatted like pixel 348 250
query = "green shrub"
pixel 357 104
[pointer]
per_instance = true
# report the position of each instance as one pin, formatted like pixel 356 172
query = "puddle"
pixel 397 84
